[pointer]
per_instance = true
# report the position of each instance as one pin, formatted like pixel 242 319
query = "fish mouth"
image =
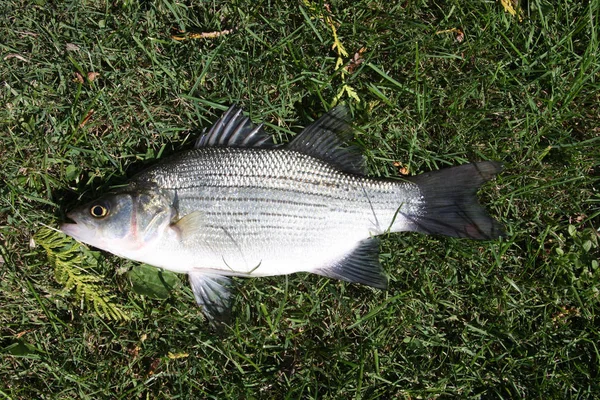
pixel 70 226
pixel 79 229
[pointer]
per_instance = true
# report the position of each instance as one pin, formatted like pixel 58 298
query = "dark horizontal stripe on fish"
pixel 228 213
pixel 238 182
pixel 314 175
pixel 249 199
pixel 311 216
pixel 318 186
pixel 263 214
pixel 267 213
pixel 183 198
pixel 320 194
pixel 233 229
pixel 285 215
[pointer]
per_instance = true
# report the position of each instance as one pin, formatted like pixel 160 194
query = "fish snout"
pixel 70 226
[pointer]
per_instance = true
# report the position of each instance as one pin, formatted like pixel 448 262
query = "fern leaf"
pixel 66 256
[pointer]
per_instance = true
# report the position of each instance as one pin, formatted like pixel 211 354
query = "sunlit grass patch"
pixel 93 92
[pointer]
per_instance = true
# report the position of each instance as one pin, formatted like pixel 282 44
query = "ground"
pixel 92 92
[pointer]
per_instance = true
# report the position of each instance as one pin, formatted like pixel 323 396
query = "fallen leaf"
pixel 356 60
pixel 153 366
pixel 565 313
pixel 92 75
pixel 135 351
pixel 402 169
pixel 152 282
pixel 78 77
pixel 459 35
pixel 71 47
pixel 23 34
pixel 200 35
pixel 17 56
pixel 21 334
pixel 175 356
pixel 87 118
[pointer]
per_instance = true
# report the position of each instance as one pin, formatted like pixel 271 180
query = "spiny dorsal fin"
pixel 234 129
pixel 327 138
pixel 360 266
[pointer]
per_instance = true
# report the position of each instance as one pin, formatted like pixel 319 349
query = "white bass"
pixel 240 205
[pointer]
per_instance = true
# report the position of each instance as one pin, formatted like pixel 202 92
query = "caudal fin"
pixel 450 202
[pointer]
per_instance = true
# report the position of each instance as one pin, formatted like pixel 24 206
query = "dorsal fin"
pixel 327 139
pixel 234 129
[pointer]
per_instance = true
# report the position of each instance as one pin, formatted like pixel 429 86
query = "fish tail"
pixel 450 202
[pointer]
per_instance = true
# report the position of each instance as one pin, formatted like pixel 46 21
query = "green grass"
pixel 507 319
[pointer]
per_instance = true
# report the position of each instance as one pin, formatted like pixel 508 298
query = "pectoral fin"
pixel 212 294
pixel 189 226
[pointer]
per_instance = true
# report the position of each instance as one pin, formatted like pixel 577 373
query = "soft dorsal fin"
pixel 361 265
pixel 327 139
pixel 234 129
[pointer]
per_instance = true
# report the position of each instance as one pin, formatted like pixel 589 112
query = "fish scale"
pixel 253 182
pixel 240 205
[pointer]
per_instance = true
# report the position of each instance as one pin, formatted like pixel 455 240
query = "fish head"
pixel 121 223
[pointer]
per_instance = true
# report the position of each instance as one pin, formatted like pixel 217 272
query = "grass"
pixel 507 319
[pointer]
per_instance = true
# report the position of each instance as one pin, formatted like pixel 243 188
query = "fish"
pixel 240 205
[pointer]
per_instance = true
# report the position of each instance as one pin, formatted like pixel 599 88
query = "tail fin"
pixel 451 206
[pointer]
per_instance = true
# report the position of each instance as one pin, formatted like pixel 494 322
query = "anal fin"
pixel 212 293
pixel 359 266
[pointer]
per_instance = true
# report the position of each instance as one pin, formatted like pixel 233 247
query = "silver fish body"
pixel 239 205
pixel 273 211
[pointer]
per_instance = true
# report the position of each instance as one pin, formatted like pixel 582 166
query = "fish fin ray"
pixel 450 205
pixel 361 265
pixel 190 225
pixel 327 139
pixel 234 129
pixel 212 293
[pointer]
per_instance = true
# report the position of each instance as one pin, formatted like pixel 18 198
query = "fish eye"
pixel 98 211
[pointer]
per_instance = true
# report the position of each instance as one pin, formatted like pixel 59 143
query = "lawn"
pixel 92 92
